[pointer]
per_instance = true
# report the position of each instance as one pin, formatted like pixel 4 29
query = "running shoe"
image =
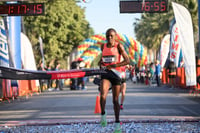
pixel 121 107
pixel 103 120
pixel 118 128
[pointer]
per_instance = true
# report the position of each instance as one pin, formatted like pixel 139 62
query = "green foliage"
pixel 62 28
pixel 151 28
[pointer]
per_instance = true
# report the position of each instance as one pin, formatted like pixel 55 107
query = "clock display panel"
pixel 25 9
pixel 138 6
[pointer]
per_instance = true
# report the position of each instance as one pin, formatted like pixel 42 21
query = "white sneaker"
pixel 118 128
pixel 50 89
pixel 103 120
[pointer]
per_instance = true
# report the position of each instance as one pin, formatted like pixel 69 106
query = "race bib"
pixel 108 59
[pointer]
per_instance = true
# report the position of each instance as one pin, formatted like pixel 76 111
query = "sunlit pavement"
pixel 142 104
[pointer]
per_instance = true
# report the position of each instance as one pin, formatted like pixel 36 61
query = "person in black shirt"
pixel 42 81
pixel 172 73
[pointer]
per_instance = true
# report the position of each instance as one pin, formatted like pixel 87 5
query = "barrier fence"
pixel 180 81
pixel 198 71
pixel 24 88
pixel 180 77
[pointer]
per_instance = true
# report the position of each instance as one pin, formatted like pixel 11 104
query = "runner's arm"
pixel 126 60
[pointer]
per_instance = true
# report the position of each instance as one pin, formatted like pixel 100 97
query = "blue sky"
pixel 103 14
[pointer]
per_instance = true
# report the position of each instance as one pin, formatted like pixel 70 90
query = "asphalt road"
pixel 142 103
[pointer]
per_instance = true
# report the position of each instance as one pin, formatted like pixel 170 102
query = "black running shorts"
pixel 112 77
pixel 123 80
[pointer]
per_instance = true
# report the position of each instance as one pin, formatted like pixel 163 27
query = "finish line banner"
pixel 19 74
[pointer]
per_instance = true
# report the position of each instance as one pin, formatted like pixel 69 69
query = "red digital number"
pixel 156 6
pixel 34 9
pixel 23 9
pixel 147 6
pixel 10 9
pixel 39 9
pixel 163 6
pixel 18 9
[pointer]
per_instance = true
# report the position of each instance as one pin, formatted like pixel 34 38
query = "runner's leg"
pixel 104 88
pixel 116 92
pixel 104 91
pixel 123 91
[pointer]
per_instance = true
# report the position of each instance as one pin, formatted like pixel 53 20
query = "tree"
pixel 62 28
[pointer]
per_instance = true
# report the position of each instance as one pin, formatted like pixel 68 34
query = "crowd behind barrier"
pixel 180 77
pixel 179 82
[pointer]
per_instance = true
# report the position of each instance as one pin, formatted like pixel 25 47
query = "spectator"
pixel 172 73
pixel 142 74
pixel 58 81
pixel 147 74
pixel 123 86
pixel 49 81
pixel 151 73
pixel 157 72
pixel 137 73
pixel 74 81
pixel 62 82
pixel 42 81
pixel 81 80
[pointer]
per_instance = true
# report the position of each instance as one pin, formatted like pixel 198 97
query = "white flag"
pixel 28 59
pixel 164 49
pixel 186 39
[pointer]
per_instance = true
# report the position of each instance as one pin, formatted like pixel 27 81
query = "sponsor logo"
pixel 22 73
pixel 98 71
pixel 68 75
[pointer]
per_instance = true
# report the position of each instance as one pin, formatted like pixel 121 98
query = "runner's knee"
pixel 103 96
pixel 115 101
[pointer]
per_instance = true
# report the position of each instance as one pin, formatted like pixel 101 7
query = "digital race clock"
pixel 25 9
pixel 140 6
